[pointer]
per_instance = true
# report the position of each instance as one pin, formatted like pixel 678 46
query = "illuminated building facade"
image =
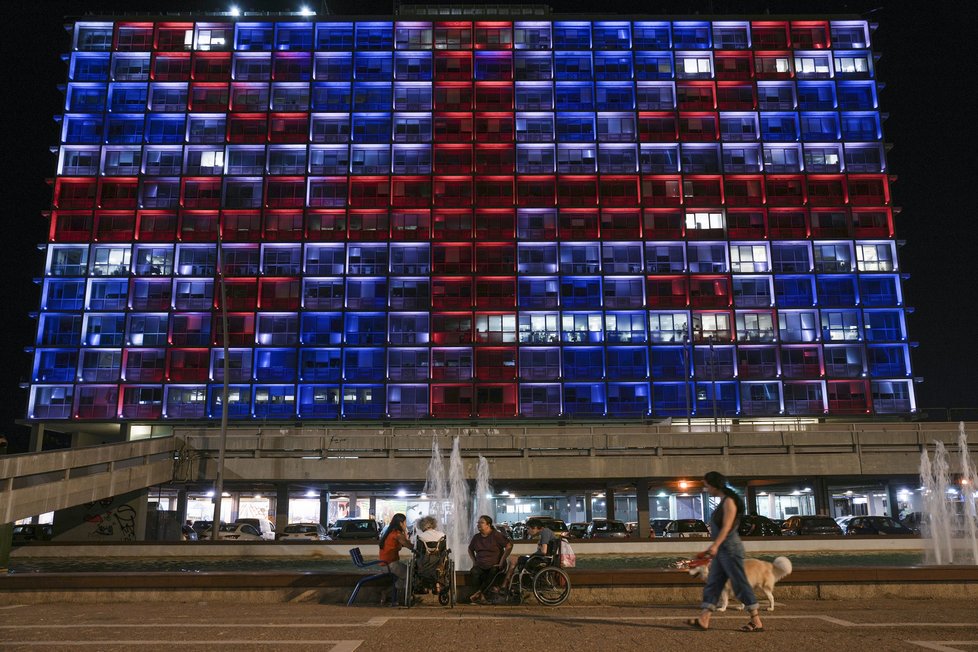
pixel 407 219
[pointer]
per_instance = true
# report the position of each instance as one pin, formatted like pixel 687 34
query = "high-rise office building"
pixel 460 218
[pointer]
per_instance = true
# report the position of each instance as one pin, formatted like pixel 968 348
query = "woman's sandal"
pixel 696 624
pixel 751 627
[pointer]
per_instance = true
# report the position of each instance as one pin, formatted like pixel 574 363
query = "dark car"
pixel 577 530
pixel 876 525
pixel 353 528
pixel 811 525
pixel 602 528
pixel 32 532
pixel 752 525
pixel 658 526
pixel 687 528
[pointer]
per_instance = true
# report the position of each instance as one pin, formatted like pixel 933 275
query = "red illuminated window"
pixel 577 191
pixel 494 128
pixel 211 66
pixel 695 96
pixel 709 291
pixel 493 96
pixel 68 226
pixel 657 127
pixel 452 159
pixel 733 96
pixel 278 293
pixel 410 225
pixel 495 293
pixel 451 293
pixel 743 191
pixel 619 191
pixel 451 328
pixel 702 191
pixel 494 225
pixel 326 225
pixel 733 65
pixel 495 258
pixel 452 401
pixel 623 224
pixel 453 96
pixel 787 224
pixel 114 226
pixel 452 191
pixel 171 66
pixel 494 159
pixel 410 192
pixel 493 35
pixel 369 225
pixel 242 294
pixel 494 191
pixel 247 128
pixel 451 258
pixel 785 191
pixel 659 224
pixel 495 363
pixel 661 191
pixel 769 35
pixel 156 226
pixel 369 191
pixel 452 225
pixel 198 226
pixel 453 127
pixel 747 224
pixel 876 223
pixel 495 400
pixel 118 193
pixel 826 190
pixel 866 190
pixel 201 193
pixel 285 192
pixel 241 226
pixel 667 292
pixel 241 329
pixel 830 223
pixel 453 66
pixel 810 35
pixel 187 365
pixel 288 127
pixel 698 127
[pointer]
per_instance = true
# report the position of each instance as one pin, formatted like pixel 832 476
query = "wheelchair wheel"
pixel 551 586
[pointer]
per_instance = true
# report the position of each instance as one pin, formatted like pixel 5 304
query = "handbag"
pixel 567 557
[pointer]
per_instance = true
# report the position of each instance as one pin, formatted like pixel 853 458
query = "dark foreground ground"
pixel 863 626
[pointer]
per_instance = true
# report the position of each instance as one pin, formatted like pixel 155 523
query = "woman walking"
pixel 727 555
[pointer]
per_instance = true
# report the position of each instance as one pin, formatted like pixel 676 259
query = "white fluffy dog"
pixel 762 575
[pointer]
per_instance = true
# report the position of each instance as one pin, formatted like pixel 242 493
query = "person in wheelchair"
pixel 543 556
pixel 489 550
pixel 431 556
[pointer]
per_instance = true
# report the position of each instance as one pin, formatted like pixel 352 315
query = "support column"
pixel 588 511
pixel 822 501
pixel 609 502
pixel 892 501
pixel 372 510
pixel 324 507
pixel 352 506
pixel 642 500
pixel 281 506
pixel 36 444
pixel 751 499
pixel 182 506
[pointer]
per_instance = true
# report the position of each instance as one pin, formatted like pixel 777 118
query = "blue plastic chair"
pixel 358 561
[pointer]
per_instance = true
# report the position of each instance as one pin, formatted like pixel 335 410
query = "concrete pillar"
pixel 642 499
pixel 751 499
pixel 182 506
pixel 892 501
pixel 36 444
pixel 352 512
pixel 142 507
pixel 609 502
pixel 281 506
pixel 588 511
pixel 372 511
pixel 324 507
pixel 822 498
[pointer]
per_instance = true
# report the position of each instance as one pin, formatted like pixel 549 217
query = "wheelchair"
pixel 432 570
pixel 542 576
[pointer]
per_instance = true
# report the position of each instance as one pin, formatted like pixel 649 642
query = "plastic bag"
pixel 567 557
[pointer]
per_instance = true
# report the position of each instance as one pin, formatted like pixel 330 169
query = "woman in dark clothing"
pixel 727 554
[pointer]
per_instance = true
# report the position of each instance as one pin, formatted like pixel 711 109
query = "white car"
pixel 303 532
pixel 234 532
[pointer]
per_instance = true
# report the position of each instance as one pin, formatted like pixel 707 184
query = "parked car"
pixel 303 532
pixel 354 528
pixel 687 528
pixel 602 528
pixel 875 525
pixel 576 530
pixel 557 526
pixel 842 520
pixel 753 525
pixel 263 525
pixel 234 532
pixel 202 526
pixel 810 525
pixel 658 526
pixel 32 532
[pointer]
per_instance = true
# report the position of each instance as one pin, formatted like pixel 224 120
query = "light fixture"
pixel 306 11
pixel 225 494
pixel 401 493
pixel 210 494
pixel 423 496
pixel 683 484
pixel 258 496
pixel 504 493
pixel 311 494
pixel 235 11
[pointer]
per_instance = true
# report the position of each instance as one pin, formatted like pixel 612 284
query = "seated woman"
pixel 489 550
pixel 429 534
pixel 392 540
pixel 431 556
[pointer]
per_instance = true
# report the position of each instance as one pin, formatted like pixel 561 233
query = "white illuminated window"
pixel 704 220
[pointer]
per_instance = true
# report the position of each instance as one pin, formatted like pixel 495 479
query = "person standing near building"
pixel 727 555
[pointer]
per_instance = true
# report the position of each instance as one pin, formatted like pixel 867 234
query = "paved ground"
pixel 877 626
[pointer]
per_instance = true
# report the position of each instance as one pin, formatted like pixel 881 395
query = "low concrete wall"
pixel 589 587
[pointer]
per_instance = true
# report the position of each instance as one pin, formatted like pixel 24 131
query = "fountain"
pixel 951 536
pixel 483 491
pixel 457 527
pixel 448 501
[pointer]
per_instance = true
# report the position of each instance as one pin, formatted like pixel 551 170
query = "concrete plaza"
pixel 877 624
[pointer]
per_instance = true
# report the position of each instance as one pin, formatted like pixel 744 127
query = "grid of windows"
pixel 471 219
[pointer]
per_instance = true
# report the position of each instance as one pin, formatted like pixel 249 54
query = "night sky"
pixel 925 51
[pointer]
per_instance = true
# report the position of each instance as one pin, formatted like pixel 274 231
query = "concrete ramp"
pixel 35 483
